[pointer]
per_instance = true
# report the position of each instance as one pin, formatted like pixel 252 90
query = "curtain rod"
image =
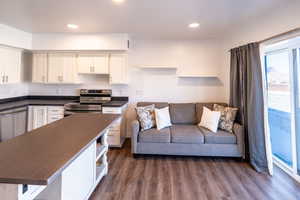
pixel 279 35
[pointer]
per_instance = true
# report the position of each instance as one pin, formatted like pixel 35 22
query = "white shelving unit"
pixel 101 149
pixel 101 158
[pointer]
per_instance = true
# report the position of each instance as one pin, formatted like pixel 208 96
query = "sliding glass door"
pixel 280 96
pixel 296 64
pixel 282 67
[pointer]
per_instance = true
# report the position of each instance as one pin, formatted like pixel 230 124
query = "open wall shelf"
pixel 159 67
pixel 197 76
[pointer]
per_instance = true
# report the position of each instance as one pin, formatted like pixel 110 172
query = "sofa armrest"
pixel 135 129
pixel 239 131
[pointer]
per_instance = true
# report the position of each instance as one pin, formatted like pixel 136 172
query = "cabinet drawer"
pixel 113 140
pixel 115 127
pixel 112 110
pixel 114 133
pixel 54 118
pixel 55 110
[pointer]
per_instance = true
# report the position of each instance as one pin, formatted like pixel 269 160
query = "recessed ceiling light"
pixel 72 26
pixel 194 25
pixel 118 1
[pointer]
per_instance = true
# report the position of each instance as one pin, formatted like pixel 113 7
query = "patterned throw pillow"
pixel 146 117
pixel 227 118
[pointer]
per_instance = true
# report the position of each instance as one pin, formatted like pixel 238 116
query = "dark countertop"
pixel 17 102
pixel 39 156
pixel 116 102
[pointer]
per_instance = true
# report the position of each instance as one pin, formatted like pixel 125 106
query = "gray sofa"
pixel 184 137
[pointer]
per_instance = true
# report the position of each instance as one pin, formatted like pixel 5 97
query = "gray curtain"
pixel 246 93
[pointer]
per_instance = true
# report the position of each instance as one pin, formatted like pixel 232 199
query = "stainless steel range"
pixel 89 101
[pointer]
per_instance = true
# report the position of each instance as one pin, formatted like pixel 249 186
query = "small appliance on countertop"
pixel 90 100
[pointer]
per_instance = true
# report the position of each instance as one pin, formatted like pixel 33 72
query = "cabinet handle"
pixel 6 79
pixel 3 79
pixel 92 69
pixel 60 78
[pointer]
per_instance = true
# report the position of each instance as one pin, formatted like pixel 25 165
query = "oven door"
pixel 72 112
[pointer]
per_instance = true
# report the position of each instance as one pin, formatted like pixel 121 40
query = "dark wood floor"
pixel 189 178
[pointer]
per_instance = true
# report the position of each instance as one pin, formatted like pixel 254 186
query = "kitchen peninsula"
pixel 60 161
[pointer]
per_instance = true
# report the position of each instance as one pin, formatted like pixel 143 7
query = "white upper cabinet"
pixel 93 64
pixel 118 64
pixel 39 68
pixel 62 68
pixel 10 65
pixel 65 67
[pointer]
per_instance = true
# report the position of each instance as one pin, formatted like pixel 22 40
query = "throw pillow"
pixel 210 119
pixel 227 118
pixel 162 117
pixel 146 117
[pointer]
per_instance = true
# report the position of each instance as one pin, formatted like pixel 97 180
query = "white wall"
pixel 61 41
pixel 14 37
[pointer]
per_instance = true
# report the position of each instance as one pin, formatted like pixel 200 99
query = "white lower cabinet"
pixel 78 178
pixel 116 135
pixel 39 116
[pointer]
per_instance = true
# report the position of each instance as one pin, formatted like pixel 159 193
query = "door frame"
pixel 289 46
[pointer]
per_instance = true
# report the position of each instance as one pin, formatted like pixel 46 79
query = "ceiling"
pixel 155 19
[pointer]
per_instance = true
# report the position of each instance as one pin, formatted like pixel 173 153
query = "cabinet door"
pixel 39 68
pixel 69 68
pixel 6 127
pixel 54 113
pixel 13 66
pixel 39 116
pixel 118 69
pixel 85 64
pixel 2 66
pixel 101 64
pixel 10 65
pixel 79 177
pixel 20 122
pixel 55 68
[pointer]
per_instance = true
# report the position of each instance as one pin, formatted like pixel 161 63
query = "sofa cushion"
pixel 183 113
pixel 157 104
pixel 187 134
pixel 220 137
pixel 199 109
pixel 155 136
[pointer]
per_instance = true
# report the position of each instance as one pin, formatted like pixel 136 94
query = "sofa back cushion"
pixel 183 113
pixel 199 109
pixel 158 105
